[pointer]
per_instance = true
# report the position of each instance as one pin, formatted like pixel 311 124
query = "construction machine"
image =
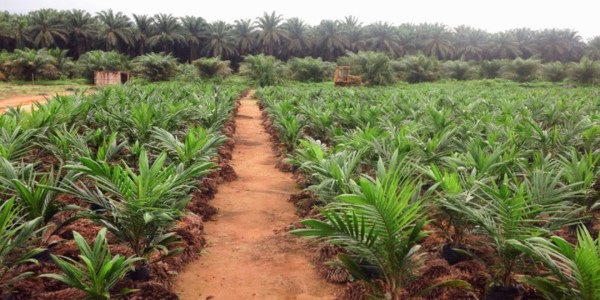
pixel 342 77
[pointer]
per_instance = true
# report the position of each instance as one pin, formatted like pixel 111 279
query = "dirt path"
pixel 25 101
pixel 249 255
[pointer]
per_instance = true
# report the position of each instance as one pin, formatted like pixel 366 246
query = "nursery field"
pixel 450 190
pixel 93 187
pixel 473 190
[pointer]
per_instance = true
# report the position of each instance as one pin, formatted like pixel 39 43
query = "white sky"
pixel 492 16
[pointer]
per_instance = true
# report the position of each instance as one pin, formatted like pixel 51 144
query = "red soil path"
pixel 250 255
pixel 25 101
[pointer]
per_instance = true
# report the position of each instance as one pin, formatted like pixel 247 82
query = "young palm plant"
pixel 138 207
pixel 379 225
pixel 98 272
pixel 199 145
pixel 66 144
pixel 334 174
pixel 15 142
pixel 574 270
pixel 507 212
pixel 290 128
pixel 36 193
pixel 452 187
pixel 109 148
pixel 16 234
pixel 582 168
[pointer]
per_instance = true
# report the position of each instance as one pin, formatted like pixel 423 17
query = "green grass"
pixel 45 87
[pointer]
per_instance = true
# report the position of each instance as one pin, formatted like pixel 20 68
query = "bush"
pixel 30 64
pixel 554 72
pixel 98 60
pixel 522 70
pixel 490 69
pixel 213 67
pixel 155 66
pixel 420 68
pixel 265 70
pixel 187 72
pixel 459 70
pixel 310 69
pixel 374 67
pixel 4 59
pixel 64 64
pixel 586 71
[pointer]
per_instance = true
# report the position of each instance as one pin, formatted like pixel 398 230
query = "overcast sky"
pixel 492 16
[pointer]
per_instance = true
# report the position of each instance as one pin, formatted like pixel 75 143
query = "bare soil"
pixel 249 254
pixel 25 101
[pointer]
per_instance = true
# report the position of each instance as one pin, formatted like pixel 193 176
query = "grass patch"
pixel 41 88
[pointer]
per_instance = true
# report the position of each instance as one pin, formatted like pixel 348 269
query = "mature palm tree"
pixel 167 32
pixel 575 44
pixel 526 39
pixel 271 34
pixel 298 43
pixel 560 45
pixel 437 41
pixel 408 38
pixel 551 45
pixel 143 30
pixel 116 30
pixel 329 40
pixel 245 36
pixel 470 43
pixel 47 28
pixel 354 32
pixel 383 37
pixel 82 29
pixel 592 49
pixel 194 33
pixel 14 30
pixel 220 40
pixel 504 45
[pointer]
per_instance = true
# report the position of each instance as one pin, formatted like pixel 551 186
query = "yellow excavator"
pixel 342 77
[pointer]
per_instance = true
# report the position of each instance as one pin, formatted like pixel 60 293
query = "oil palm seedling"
pixel 506 212
pixel 290 129
pixel 108 148
pixel 66 144
pixel 15 142
pixel 379 225
pixel 333 175
pixel 16 235
pixel 451 187
pixel 35 193
pixel 97 272
pixel 582 169
pixel 573 270
pixel 138 207
pixel 199 145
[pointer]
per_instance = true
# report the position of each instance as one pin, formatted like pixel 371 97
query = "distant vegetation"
pixel 191 37
pixel 49 44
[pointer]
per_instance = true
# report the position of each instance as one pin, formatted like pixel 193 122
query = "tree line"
pixel 191 37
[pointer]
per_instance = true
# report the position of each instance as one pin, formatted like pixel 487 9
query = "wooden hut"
pixel 103 78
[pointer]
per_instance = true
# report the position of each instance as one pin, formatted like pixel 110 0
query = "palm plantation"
pixel 464 164
pixel 272 34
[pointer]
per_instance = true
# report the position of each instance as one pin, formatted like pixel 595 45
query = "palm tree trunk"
pixel 191 51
